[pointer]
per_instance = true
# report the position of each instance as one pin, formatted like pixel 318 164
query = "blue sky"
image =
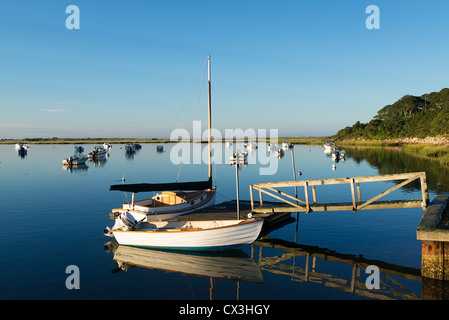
pixel 306 68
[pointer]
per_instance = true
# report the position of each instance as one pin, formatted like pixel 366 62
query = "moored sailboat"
pixel 174 199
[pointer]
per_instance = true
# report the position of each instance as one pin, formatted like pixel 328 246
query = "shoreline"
pixel 433 148
pixel 294 140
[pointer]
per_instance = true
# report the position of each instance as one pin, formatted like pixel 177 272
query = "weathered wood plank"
pixel 315 182
pixel 345 206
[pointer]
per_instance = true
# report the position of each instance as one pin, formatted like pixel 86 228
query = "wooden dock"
pixel 228 211
pixel 295 204
pixel 275 213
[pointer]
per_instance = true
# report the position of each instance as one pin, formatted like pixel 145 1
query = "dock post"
pixel 424 190
pixel 434 240
pixel 359 195
pixel 294 174
pixel 354 205
pixel 306 193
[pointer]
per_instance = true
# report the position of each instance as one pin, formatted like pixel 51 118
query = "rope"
pixel 146 170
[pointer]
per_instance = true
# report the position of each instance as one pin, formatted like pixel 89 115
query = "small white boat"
pixel 209 235
pixel 107 145
pixel 329 146
pixel 287 145
pixel 167 204
pixel 279 153
pixel 238 157
pixel 228 143
pixel 97 153
pixel 251 145
pixel 21 146
pixel 75 160
pixel 177 198
pixel 271 147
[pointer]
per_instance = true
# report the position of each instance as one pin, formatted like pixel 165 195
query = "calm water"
pixel 53 218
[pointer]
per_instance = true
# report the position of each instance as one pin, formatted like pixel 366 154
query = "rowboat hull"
pixel 192 235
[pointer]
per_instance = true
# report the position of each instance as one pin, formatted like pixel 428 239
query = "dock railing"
pixel 305 205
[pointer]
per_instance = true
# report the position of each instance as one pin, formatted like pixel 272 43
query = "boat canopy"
pixel 148 187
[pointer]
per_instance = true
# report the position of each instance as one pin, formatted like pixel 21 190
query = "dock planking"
pixel 228 211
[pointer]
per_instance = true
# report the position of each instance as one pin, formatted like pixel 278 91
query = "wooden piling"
pixel 434 240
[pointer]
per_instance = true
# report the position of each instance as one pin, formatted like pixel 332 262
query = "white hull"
pixel 153 210
pixel 74 162
pixel 98 153
pixel 192 235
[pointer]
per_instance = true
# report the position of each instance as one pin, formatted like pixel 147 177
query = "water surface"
pixel 53 217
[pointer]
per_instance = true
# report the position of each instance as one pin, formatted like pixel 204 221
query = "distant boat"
pixel 175 198
pixel 251 145
pixel 79 149
pixel 21 146
pixel 22 150
pixel 287 145
pixel 228 143
pixel 238 157
pixel 97 153
pixel 329 146
pixel 107 145
pixel 75 160
pixel 271 147
pixel 137 146
pixel 159 148
pixel 208 235
pixel 279 153
pixel 129 148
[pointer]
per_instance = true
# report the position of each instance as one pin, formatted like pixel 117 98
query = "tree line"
pixel 409 117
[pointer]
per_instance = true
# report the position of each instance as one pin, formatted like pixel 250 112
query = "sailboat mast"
pixel 209 117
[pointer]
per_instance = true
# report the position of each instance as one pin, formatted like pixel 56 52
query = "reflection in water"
pixel 100 162
pixel 320 263
pixel 393 160
pixel 78 168
pixel 232 265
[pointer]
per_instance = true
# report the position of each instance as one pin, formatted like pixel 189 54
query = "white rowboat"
pixel 209 235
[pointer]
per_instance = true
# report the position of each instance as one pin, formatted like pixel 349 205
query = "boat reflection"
pixel 78 168
pixel 232 265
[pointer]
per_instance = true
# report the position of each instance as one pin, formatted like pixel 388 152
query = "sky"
pixel 135 68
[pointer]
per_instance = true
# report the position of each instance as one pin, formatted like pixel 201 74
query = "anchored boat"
pixel 76 159
pixel 209 235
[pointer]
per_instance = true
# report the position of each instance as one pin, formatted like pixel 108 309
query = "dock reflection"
pixel 394 279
